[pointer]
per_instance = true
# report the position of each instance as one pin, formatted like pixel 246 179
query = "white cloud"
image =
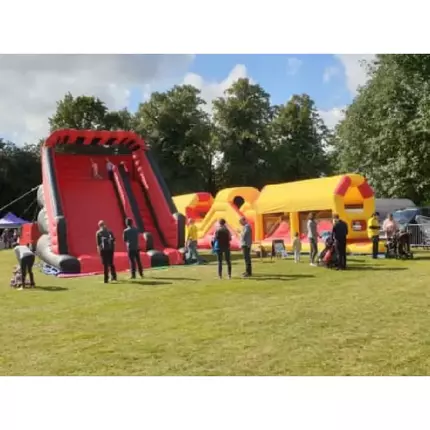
pixel 333 116
pixel 211 90
pixel 355 73
pixel 329 73
pixel 30 85
pixel 293 65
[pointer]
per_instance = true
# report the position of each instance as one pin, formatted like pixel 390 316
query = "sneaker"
pixel 312 264
pixel 20 288
pixel 229 276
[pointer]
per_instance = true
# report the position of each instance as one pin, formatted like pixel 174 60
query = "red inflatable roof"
pixel 95 138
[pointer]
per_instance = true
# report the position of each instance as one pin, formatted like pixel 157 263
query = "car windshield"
pixel 404 216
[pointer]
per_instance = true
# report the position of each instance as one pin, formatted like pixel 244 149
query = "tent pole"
pixel 18 199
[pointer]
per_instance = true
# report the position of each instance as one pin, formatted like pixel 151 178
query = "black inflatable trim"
pixel 153 216
pixel 158 259
pixel 162 182
pixel 131 198
pixel 149 240
pixel 180 220
pixel 118 199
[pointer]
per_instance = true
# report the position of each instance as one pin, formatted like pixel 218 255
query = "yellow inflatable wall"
pixel 282 209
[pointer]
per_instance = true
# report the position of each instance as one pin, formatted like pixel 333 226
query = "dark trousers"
pixel 247 257
pixel 108 265
pixel 314 249
pixel 134 259
pixel 375 246
pixel 226 254
pixel 26 264
pixel 340 247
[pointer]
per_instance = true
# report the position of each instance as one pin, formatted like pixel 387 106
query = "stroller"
pixel 398 246
pixel 328 256
pixel 16 279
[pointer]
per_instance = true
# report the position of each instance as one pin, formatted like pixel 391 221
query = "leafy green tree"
pixel 242 117
pixel 179 134
pixel 298 136
pixel 385 134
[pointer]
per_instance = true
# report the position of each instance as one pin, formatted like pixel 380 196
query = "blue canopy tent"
pixel 12 221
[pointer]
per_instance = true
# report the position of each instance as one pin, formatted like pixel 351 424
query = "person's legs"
pixel 296 256
pixel 343 249
pixel 228 261
pixel 219 258
pixel 194 254
pixel 105 261
pixel 314 249
pixel 30 265
pixel 23 265
pixel 139 264
pixel 247 257
pixel 132 261
pixel 375 246
pixel 112 266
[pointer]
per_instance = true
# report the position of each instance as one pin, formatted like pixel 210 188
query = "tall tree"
pixel 242 118
pixel 385 134
pixel 298 136
pixel 179 134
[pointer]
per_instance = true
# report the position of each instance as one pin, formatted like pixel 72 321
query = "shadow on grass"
pixel 51 289
pixel 279 277
pixel 146 282
pixel 162 278
pixel 375 268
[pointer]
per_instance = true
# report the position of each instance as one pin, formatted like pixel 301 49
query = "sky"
pixel 30 85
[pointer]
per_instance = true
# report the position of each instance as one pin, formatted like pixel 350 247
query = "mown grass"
pixel 290 319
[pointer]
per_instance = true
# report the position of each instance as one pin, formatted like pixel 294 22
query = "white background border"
pixel 213 27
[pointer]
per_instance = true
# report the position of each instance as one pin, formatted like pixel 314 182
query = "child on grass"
pixel 297 247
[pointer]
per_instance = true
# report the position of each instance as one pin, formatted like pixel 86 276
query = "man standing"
pixel 246 244
pixel 131 238
pixel 192 236
pixel 373 228
pixel 106 247
pixel 221 247
pixel 340 232
pixel 313 238
pixel 25 259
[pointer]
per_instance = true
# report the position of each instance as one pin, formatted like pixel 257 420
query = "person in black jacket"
pixel 339 233
pixel 106 247
pixel 222 247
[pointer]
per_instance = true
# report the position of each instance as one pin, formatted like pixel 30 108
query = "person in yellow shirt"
pixel 373 228
pixel 192 236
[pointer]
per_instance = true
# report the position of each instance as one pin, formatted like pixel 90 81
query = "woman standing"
pixel 222 241
pixel 389 226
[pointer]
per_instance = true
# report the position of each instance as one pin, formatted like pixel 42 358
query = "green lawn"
pixel 289 320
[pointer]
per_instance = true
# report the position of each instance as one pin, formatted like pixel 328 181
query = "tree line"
pixel 246 140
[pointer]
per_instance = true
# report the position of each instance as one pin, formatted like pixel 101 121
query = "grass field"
pixel 373 319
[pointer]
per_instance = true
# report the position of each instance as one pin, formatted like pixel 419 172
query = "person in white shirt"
pixel 25 257
pixel 109 168
pixel 297 247
pixel 95 168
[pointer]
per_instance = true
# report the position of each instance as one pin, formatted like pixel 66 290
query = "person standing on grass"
pixel 340 233
pixel 25 257
pixel 297 247
pixel 246 244
pixel 106 247
pixel 222 241
pixel 192 236
pixel 131 239
pixel 373 228
pixel 389 226
pixel 313 238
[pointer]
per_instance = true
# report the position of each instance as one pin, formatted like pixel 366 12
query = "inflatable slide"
pixel 72 201
pixel 194 206
pixel 283 209
pixel 228 204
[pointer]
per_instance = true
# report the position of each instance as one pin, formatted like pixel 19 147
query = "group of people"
pixel 8 237
pixel 221 245
pixel 105 241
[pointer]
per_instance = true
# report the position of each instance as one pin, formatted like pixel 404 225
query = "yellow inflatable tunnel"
pixel 228 204
pixel 283 209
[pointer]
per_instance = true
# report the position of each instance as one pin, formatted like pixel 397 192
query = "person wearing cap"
pixel 373 228
pixel 246 244
pixel 105 241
